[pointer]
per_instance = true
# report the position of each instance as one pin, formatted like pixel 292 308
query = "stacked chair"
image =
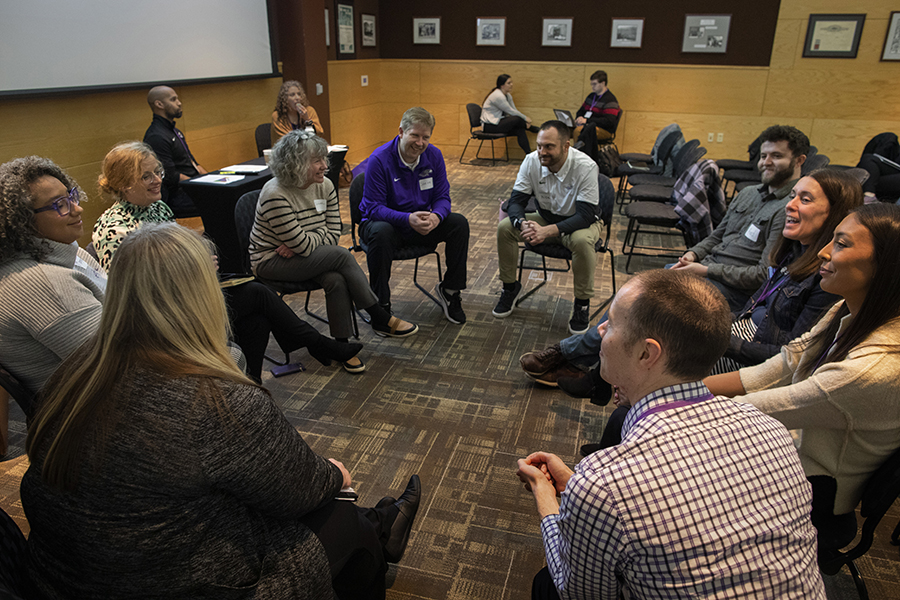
pixel 658 188
pixel 658 162
pixel 692 209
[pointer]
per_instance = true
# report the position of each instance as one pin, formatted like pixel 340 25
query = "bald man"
pixel 172 150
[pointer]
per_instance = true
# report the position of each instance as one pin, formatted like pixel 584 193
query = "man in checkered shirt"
pixel 704 497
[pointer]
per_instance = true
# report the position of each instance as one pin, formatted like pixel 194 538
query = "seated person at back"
pixel 598 117
pixel 292 111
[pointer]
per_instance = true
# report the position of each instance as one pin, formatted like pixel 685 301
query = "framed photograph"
pixel 427 30
pixel 626 33
pixel 327 30
pixel 833 36
pixel 368 30
pixel 706 34
pixel 557 32
pixel 345 29
pixel 892 40
pixel 491 32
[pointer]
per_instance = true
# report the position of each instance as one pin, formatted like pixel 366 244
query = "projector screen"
pixel 48 45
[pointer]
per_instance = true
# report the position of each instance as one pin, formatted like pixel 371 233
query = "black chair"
pixel 667 220
pixel 404 253
pixel 636 166
pixel 14 582
pixel 658 188
pixel 263 135
pixel 880 493
pixel 477 134
pixel 244 215
pixel 558 251
pixel 747 165
pixel 24 397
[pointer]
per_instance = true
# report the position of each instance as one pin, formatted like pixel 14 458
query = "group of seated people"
pixel 159 462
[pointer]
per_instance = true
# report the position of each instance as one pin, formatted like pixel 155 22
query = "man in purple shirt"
pixel 703 497
pixel 406 202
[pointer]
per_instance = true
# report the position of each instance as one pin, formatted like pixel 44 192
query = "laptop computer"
pixel 564 116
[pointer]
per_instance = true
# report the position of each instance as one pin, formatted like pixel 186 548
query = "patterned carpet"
pixel 452 404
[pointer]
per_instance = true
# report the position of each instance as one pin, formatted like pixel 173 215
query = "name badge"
pixel 588 114
pixel 321 204
pixel 426 183
pixel 752 233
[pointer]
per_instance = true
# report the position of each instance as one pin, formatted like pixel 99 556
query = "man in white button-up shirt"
pixel 564 182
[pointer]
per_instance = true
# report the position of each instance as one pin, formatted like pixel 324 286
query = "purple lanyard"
pixel 767 290
pixel 593 103
pixel 180 137
pixel 825 354
pixel 670 406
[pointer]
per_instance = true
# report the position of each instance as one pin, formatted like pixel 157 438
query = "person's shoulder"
pixel 583 163
pixel 434 154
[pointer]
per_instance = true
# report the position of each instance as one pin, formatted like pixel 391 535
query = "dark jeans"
pixel 883 181
pixel 381 239
pixel 513 125
pixel 542 587
pixel 589 135
pixel 255 311
pixel 353 539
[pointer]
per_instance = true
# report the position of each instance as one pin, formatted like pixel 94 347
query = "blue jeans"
pixel 582 349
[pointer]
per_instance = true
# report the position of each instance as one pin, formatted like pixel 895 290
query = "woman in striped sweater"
pixel 295 236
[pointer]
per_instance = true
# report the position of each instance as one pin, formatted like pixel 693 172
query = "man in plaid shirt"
pixel 704 497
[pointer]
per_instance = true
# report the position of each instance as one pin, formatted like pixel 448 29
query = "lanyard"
pixel 671 405
pixel 825 354
pixel 180 137
pixel 770 288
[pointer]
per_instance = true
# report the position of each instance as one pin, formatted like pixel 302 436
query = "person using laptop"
pixel 598 116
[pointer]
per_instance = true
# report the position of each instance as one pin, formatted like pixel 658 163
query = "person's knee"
pixel 333 282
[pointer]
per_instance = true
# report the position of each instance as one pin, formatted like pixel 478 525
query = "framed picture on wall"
pixel 426 30
pixel 345 29
pixel 368 30
pixel 557 32
pixel 706 34
pixel 892 39
pixel 491 31
pixel 833 36
pixel 626 33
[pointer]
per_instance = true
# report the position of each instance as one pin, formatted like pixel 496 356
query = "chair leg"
pixel 522 298
pixel 858 580
pixel 416 278
pixel 311 314
pixel 464 150
pixel 637 229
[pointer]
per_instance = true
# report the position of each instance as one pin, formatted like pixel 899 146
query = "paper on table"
pixel 245 168
pixel 223 179
pixel 338 148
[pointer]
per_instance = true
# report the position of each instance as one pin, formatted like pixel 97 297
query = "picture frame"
pixel 367 26
pixel 426 30
pixel 557 32
pixel 626 33
pixel 833 36
pixel 490 31
pixel 346 40
pixel 892 38
pixel 706 34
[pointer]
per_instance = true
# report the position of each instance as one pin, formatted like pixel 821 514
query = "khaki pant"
pixel 580 243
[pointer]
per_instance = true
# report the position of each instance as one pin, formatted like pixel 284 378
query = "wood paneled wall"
pixel 77 131
pixel 839 103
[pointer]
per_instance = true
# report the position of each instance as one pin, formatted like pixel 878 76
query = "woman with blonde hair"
pixel 292 111
pixel 158 469
pixel 295 235
pixel 132 174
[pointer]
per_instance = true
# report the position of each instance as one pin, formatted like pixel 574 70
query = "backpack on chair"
pixel 608 159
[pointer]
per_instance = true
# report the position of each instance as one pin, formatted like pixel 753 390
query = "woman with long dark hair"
pixel 500 115
pixel 159 470
pixel 838 383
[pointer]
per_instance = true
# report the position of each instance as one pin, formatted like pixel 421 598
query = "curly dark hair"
pixel 281 105
pixel 18 234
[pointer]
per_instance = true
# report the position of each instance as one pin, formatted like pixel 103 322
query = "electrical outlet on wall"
pixel 320 89
pixel 710 137
pixel 365 80
pixel 720 137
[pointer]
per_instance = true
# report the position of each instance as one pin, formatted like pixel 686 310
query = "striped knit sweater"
pixel 47 310
pixel 288 215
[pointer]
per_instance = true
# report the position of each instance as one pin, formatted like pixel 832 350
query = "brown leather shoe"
pixel 550 377
pixel 538 363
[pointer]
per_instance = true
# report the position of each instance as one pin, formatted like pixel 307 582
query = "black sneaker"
pixel 507 301
pixel 452 305
pixel 581 319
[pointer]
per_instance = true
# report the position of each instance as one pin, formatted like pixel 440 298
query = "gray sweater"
pixel 47 310
pixel 184 502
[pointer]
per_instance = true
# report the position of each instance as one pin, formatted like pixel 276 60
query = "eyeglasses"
pixel 63 204
pixel 149 175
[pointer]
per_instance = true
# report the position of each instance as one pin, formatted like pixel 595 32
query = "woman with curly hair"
pixel 292 111
pixel 295 235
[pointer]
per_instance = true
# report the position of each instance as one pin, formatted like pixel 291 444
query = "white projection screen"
pixel 48 45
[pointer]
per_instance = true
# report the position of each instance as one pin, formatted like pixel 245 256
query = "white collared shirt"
pixel 576 181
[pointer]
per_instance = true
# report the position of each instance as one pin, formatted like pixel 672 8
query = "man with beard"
pixel 172 150
pixel 735 256
pixel 564 183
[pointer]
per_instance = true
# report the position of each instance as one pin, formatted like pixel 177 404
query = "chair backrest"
pixel 474 115
pixel 861 175
pixel 816 161
pixel 753 149
pixel 683 159
pixel 665 149
pixel 357 186
pixel 244 215
pixel 22 395
pixel 13 558
pixel 263 136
